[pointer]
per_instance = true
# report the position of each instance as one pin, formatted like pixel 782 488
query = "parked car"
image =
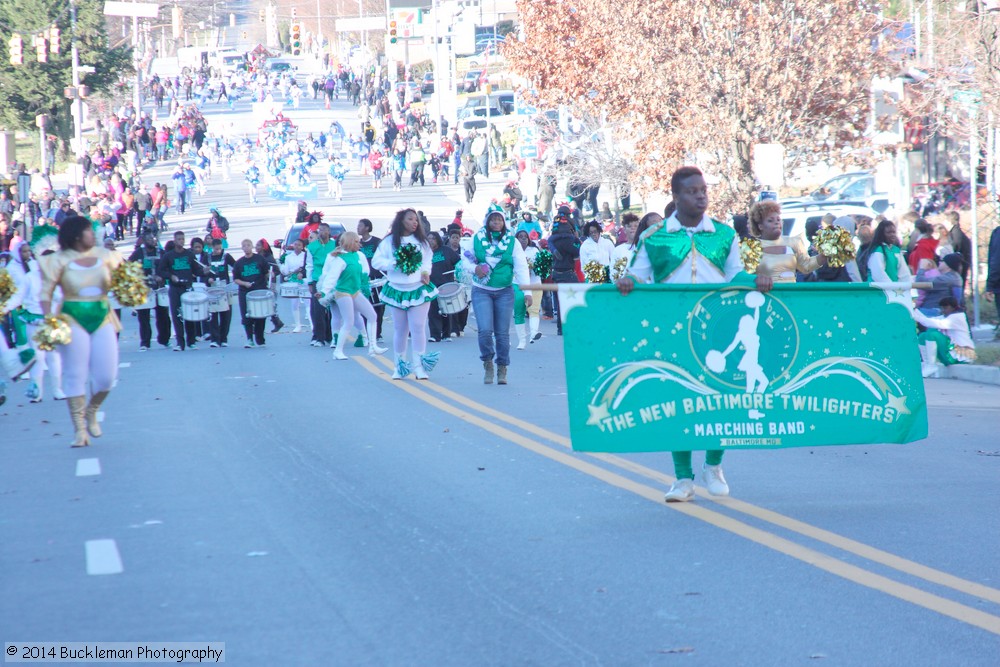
pixel 794 216
pixel 852 186
pixel 473 79
pixel 479 112
pixel 336 229
pixel 427 85
pixel 401 87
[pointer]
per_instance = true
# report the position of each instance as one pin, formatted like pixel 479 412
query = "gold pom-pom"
pixel 836 245
pixel 54 330
pixel 751 253
pixel 7 288
pixel 128 282
pixel 619 269
pixel 595 272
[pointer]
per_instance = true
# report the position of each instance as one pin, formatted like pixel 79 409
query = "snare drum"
pixel 148 303
pixel 260 304
pixel 218 300
pixel 233 290
pixel 304 292
pixel 163 297
pixel 452 298
pixel 289 290
pixel 194 306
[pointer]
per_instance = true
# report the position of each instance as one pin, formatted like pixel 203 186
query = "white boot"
pixel 17 362
pixel 298 318
pixel 418 368
pixel 522 337
pixel 930 368
pixel 373 346
pixel 533 334
pixel 338 352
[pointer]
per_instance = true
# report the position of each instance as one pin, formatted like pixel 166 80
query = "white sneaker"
pixel 680 491
pixel 522 344
pixel 419 373
pixel 297 329
pixel 337 354
pixel 714 480
pixel 58 395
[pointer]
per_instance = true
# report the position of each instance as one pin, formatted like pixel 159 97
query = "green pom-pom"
pixel 543 264
pixel 408 258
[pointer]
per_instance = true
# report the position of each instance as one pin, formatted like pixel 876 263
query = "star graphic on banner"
pixel 656 329
pixel 885 360
pixel 614 360
pixel 898 403
pixel 805 321
pixel 674 355
pixel 826 350
pixel 835 318
pixel 600 369
pixel 645 324
pixel 812 427
pixel 811 353
pixel 864 332
pixel 829 334
pixel 598 413
pixel 658 354
pixel 840 325
pixel 701 378
pixel 686 431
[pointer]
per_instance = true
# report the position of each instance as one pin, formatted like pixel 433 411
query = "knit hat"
pixel 954 261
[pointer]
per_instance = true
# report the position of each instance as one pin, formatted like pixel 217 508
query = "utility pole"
pixel 78 101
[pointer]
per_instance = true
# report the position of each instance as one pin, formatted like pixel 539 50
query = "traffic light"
pixel 296 34
pixel 41 48
pixel 392 32
pixel 54 39
pixel 16 49
pixel 262 15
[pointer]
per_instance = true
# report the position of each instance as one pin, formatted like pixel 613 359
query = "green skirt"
pixel 404 299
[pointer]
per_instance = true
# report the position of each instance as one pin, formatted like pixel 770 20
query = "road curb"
pixel 973 373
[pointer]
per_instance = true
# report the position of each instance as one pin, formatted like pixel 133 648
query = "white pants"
pixel 412 322
pixel 92 357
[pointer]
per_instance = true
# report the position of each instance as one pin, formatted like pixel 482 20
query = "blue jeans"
pixel 494 310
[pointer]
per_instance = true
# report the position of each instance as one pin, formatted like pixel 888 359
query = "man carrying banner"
pixel 688 247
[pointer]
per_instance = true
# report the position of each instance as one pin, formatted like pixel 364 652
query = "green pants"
pixel 682 462
pixel 944 345
pixel 519 309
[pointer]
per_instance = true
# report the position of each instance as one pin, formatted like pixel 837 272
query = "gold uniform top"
pixel 84 288
pixel 781 267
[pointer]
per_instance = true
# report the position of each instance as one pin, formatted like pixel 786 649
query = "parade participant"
pixel 217 227
pixel 948 339
pixel 263 249
pixel 529 224
pixel 688 248
pixel 293 270
pixel 499 265
pixel 345 282
pixel 369 244
pixel 375 160
pixel 251 273
pixel 398 167
pixel 443 266
pixel 26 314
pixel 885 259
pixel 316 254
pixel 522 311
pixel 149 254
pixel 565 248
pixel 406 260
pixel 83 271
pixel 596 248
pixel 252 177
pixel 335 176
pixel 178 267
pixel 782 255
pixel 313 221
pixel 220 263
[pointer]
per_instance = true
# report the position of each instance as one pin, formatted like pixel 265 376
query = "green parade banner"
pixel 691 367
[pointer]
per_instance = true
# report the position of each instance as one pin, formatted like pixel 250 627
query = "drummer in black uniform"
pixel 179 268
pixel 218 323
pixel 149 254
pixel 368 245
pixel 251 273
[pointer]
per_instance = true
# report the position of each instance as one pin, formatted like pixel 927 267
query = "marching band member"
pixel 263 249
pixel 251 273
pixel 500 264
pixel 83 271
pixel 368 245
pixel 220 263
pixel 596 248
pixel 26 310
pixel 149 254
pixel 179 267
pixel 316 254
pixel 782 255
pixel 527 333
pixel 293 270
pixel 408 292
pixel 687 248
pixel 345 282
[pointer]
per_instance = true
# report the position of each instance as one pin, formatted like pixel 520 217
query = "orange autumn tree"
pixel 704 82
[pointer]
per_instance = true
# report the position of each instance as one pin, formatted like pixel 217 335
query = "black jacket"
pixel 993 262
pixel 565 248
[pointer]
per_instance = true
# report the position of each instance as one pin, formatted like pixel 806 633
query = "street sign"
pixel 522 109
pixel 529 151
pixel 142 10
pixel 527 134
pixel 967 97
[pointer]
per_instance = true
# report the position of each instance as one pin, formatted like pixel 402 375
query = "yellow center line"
pixel 936 603
pixel 839 541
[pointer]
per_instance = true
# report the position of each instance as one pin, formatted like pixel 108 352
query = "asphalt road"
pixel 307 511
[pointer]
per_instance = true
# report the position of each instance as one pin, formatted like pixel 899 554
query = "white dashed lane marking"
pixel 103 557
pixel 125 364
pixel 88 467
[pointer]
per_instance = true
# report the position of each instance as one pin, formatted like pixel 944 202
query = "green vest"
pixel 319 251
pixel 502 274
pixel 349 281
pixel 892 256
pixel 668 250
